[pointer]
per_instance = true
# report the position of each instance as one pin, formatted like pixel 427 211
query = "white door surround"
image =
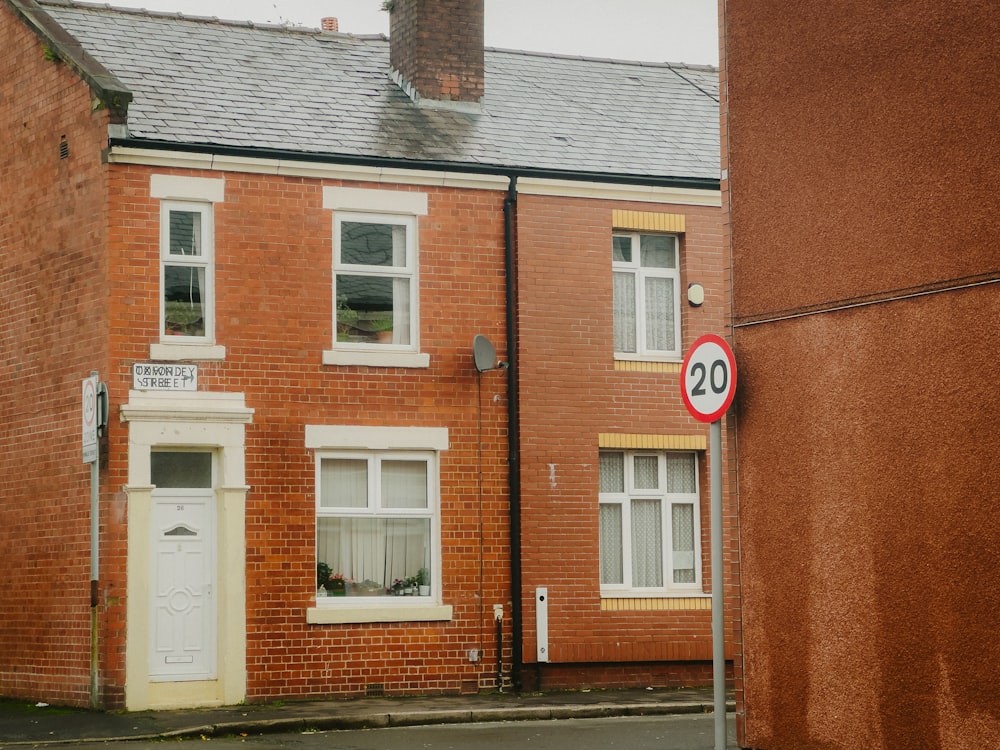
pixel 214 422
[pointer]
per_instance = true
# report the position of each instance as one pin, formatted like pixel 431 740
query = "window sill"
pixel 206 352
pixel 376 359
pixel 361 614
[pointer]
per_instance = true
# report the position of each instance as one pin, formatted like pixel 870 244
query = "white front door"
pixel 182 643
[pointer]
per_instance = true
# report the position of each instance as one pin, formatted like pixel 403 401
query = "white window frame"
pixel 668 500
pixel 407 271
pixel 640 274
pixel 178 189
pixel 373 444
pixel 378 207
pixel 205 259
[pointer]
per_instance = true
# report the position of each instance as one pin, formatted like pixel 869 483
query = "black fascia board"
pixel 694 183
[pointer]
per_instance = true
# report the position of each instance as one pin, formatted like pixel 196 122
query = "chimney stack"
pixel 436 52
pixel 330 24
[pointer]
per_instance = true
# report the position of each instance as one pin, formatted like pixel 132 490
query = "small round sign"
pixel 708 378
pixel 89 403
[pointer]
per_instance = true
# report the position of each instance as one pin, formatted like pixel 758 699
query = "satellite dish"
pixel 484 353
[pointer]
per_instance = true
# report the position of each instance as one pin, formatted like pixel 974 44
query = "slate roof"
pixel 248 87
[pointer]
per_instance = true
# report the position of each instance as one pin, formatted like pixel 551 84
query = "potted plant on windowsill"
pixel 424 582
pixel 337 585
pixel 367 587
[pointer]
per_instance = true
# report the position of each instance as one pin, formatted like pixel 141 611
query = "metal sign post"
pixel 95 416
pixel 708 384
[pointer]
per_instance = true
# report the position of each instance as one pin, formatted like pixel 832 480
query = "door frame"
pixel 206 421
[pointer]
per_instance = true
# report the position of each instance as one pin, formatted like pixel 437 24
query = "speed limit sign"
pixel 708 378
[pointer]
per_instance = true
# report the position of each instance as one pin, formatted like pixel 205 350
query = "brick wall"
pixel 274 315
pixel 437 47
pixel 52 331
pixel 570 393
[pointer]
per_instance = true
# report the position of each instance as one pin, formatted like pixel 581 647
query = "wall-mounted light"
pixel 696 294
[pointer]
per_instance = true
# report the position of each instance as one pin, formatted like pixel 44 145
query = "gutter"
pixel 435 165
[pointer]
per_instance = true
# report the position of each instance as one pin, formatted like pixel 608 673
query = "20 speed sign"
pixel 708 378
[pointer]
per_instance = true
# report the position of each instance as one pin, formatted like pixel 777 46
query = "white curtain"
pixel 681 472
pixel 343 483
pixel 647 543
pixel 624 312
pixel 647 472
pixel 660 314
pixel 612 470
pixel 682 532
pixel 404 484
pixel 681 479
pixel 407 544
pixel 376 548
pixel 612 565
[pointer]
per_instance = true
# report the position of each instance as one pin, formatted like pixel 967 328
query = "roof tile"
pixel 197 81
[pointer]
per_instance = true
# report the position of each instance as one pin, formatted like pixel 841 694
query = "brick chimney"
pixel 330 23
pixel 436 51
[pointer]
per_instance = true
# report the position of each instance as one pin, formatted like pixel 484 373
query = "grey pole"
pixel 95 526
pixel 718 634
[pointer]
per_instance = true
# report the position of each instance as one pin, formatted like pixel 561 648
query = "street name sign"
pixel 150 376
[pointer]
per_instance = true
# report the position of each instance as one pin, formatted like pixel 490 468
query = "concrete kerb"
pixel 322 721
pixel 380 720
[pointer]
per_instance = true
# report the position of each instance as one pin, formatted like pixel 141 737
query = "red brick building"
pixel 866 308
pixel 275 247
pixel 596 413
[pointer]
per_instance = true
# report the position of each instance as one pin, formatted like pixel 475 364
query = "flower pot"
pixel 425 590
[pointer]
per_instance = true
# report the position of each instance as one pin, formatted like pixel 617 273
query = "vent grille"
pixel 63 148
pixel 375 690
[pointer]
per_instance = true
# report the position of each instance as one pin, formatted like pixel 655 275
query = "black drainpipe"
pixel 513 439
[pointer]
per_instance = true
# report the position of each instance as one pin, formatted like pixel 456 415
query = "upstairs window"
pixel 649 528
pixel 375 281
pixel 186 272
pixel 646 272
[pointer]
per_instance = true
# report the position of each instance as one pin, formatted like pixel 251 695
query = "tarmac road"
pixel 677 732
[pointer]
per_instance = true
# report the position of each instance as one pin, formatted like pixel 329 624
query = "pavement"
pixel 29 724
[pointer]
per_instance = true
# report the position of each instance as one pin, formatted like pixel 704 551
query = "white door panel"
pixel 182 646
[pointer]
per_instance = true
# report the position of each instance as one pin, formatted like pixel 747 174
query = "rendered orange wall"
pixel 52 332
pixel 860 139
pixel 570 393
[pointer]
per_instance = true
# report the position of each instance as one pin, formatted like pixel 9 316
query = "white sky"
pixel 648 30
